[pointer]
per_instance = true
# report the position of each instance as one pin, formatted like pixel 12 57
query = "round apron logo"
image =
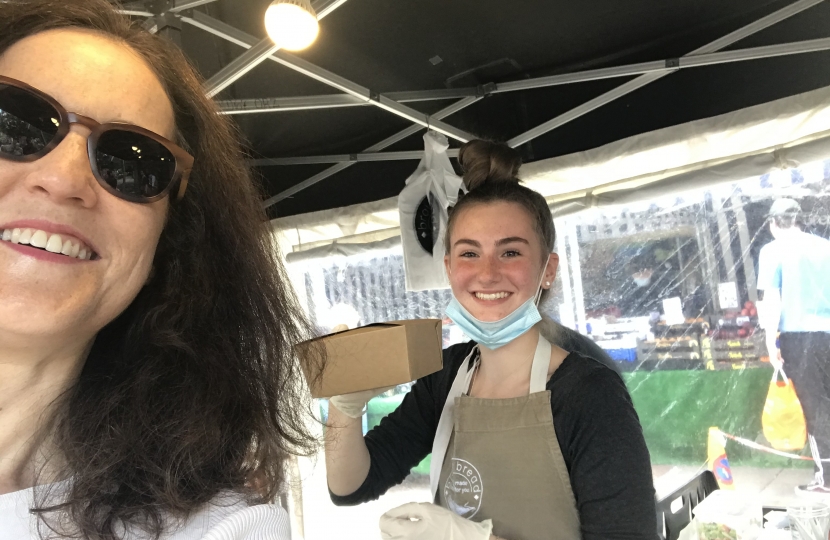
pixel 463 489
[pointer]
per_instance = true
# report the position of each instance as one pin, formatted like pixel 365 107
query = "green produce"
pixel 715 531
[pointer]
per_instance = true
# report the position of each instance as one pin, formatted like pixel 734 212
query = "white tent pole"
pixel 725 236
pixel 745 242
pixel 649 78
pixel 579 292
pixel 565 276
pixel 411 130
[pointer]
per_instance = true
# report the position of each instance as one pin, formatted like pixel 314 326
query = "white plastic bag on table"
pixel 422 206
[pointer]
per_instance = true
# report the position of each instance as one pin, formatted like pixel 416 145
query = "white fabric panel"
pixel 326 225
pixel 688 148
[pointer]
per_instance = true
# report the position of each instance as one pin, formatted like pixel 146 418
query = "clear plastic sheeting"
pixel 371 284
pixel 668 287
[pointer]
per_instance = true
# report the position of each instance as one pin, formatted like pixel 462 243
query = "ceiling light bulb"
pixel 291 24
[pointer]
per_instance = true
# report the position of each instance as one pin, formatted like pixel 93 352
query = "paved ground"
pixel 324 521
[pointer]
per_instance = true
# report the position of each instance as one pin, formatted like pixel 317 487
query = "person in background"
pixel 529 441
pixel 794 293
pixel 147 371
pixel 649 284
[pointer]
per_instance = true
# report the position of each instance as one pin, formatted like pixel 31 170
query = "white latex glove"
pixel 354 405
pixel 425 521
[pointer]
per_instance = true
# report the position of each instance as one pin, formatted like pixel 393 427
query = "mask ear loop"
pixel 539 285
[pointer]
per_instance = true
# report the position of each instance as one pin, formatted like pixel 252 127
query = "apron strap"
pixel 445 425
pixel 540 367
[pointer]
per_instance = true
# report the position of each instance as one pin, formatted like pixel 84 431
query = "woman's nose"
pixel 489 270
pixel 64 174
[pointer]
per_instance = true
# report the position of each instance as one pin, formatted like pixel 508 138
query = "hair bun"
pixel 485 162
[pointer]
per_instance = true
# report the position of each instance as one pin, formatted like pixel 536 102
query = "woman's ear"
pixel 550 270
pixel 447 264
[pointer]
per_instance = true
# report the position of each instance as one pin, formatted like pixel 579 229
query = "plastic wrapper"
pixel 422 206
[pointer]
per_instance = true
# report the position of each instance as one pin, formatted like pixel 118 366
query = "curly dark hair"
pixel 195 388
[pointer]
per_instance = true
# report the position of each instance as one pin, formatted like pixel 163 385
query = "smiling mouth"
pixel 59 244
pixel 492 296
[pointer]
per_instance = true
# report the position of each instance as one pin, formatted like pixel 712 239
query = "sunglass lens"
pixel 134 164
pixel 27 122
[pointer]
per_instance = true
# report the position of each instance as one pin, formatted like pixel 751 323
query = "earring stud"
pixel 547 284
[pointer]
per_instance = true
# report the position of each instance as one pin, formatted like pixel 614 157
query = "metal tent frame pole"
pixel 317 102
pixel 260 51
pixel 264 49
pixel 262 105
pixel 411 130
pixel 257 53
pixel 345 158
pixel 616 93
pixel 643 80
pixel 160 15
pixel 329 101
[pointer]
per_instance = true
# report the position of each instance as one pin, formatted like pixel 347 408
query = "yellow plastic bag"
pixel 783 418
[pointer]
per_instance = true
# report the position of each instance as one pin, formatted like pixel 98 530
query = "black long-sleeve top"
pixel 595 424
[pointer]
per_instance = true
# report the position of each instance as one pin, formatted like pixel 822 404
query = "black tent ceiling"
pixel 393 46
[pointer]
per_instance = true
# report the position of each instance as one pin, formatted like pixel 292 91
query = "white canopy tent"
pixel 781 134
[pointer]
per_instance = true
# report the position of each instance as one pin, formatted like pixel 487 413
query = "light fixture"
pixel 291 24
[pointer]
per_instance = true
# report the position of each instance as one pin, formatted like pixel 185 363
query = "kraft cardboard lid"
pixel 374 327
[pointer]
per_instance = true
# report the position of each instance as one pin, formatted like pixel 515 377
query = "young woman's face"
pixel 495 260
pixel 45 295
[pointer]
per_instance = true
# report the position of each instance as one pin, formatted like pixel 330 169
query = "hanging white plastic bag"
pixel 422 206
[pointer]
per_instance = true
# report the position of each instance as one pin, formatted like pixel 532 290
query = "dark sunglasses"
pixel 130 162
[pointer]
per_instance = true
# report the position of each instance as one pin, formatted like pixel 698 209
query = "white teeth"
pixel 66 249
pixel 55 244
pixel 493 296
pixel 25 236
pixel 39 239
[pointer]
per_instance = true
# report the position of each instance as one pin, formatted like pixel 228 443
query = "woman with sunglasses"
pixel 529 441
pixel 146 326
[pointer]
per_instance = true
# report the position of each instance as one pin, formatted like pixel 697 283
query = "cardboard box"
pixel 377 355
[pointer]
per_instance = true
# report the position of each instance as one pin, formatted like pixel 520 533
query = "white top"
pixel 226 518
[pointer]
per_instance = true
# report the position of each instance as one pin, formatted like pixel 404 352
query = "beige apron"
pixel 499 459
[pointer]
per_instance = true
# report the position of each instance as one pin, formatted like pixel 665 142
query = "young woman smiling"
pixel 146 328
pixel 529 441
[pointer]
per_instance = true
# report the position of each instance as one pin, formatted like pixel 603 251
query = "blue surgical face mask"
pixel 495 334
